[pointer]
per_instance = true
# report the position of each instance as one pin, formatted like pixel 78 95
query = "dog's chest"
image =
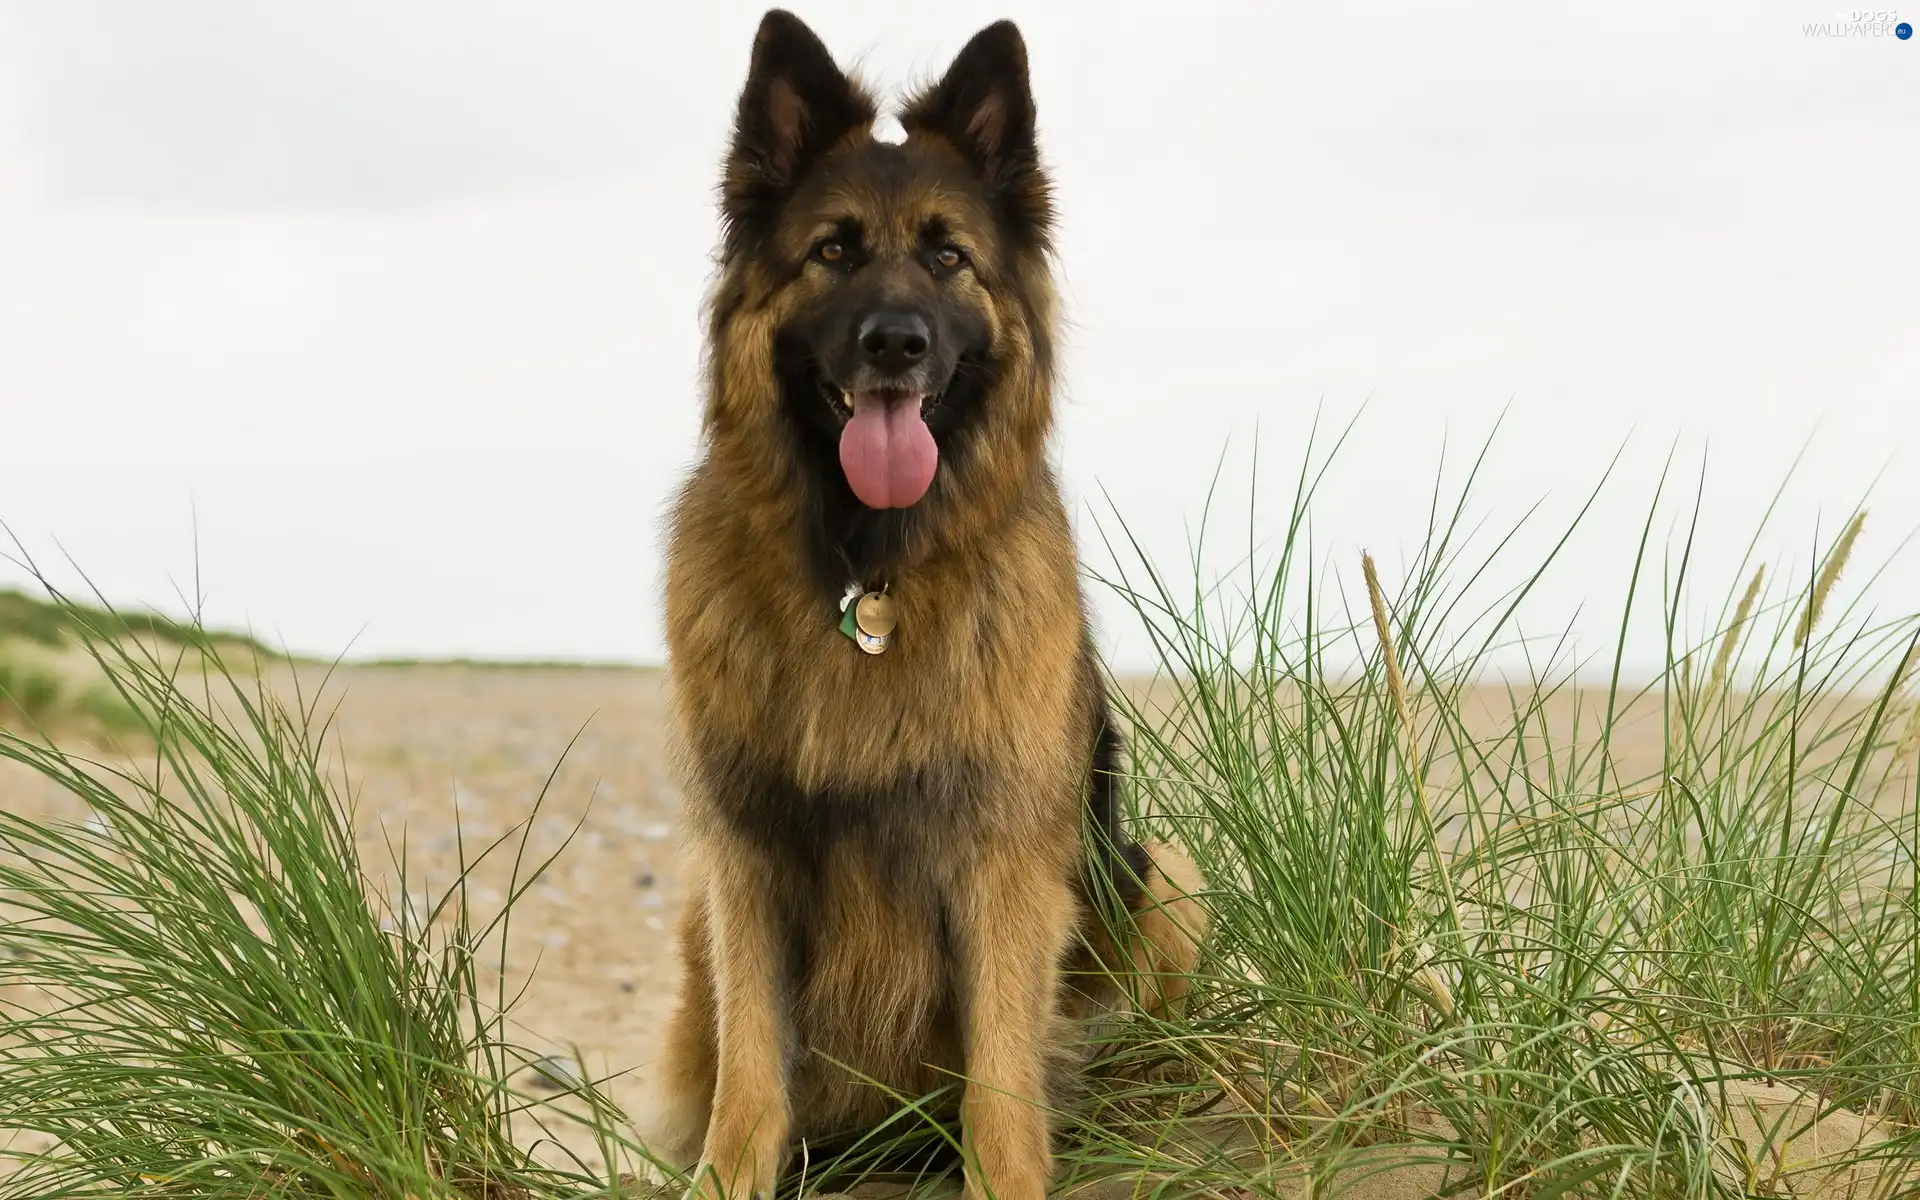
pixel 957 681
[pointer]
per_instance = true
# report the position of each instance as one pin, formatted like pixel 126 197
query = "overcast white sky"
pixel 397 304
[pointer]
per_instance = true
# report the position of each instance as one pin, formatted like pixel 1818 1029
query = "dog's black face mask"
pixel 902 293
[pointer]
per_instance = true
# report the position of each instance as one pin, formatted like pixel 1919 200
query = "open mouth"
pixel 886 449
pixel 842 403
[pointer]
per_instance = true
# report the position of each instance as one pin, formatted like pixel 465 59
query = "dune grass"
pixel 198 997
pixel 1449 956
pixel 38 697
pixel 56 621
pixel 51 685
pixel 1505 962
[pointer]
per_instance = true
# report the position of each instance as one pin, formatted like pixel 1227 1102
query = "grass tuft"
pixel 1607 941
pixel 201 1000
pixel 28 694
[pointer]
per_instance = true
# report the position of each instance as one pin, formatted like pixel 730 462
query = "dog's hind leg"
pixel 1157 883
pixel 1149 967
pixel 1168 925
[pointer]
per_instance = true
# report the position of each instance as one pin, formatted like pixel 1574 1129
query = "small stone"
pixel 628 986
pixel 643 879
pixel 555 1073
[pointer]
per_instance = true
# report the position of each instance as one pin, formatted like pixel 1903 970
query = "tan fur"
pixel 929 945
pixel 1151 973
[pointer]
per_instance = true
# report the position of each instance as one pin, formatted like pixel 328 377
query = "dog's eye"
pixel 830 251
pixel 949 258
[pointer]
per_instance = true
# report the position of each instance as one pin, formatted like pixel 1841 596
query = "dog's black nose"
pixel 893 341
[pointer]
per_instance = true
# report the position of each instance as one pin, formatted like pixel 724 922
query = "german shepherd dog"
pixel 886 811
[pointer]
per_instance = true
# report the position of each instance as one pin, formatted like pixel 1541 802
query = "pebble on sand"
pixel 555 1073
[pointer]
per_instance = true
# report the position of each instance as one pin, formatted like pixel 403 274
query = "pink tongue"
pixel 887 450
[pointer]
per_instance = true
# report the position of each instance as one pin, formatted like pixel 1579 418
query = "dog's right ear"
pixel 796 104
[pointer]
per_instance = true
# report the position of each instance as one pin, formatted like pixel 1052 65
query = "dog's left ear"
pixel 984 106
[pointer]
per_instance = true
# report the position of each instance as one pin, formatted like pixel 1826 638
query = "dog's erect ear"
pixel 984 106
pixel 796 104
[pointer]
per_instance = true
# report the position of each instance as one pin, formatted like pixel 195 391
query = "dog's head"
pixel 885 309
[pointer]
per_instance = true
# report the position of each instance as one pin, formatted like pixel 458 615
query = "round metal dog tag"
pixel 875 614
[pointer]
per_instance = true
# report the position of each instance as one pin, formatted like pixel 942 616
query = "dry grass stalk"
pixel 1437 988
pixel 1730 640
pixel 1910 740
pixel 1396 685
pixel 1397 689
pixel 1829 575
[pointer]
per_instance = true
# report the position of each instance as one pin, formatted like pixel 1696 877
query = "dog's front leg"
pixel 746 1142
pixel 1017 918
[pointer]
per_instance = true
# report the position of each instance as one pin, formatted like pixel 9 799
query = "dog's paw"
pixel 671 1132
